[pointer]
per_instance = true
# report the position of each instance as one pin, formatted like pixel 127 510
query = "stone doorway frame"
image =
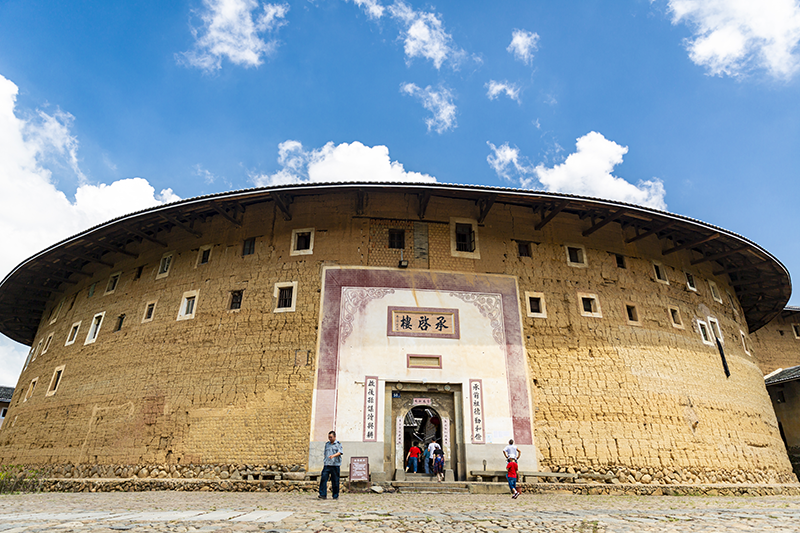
pixel 446 400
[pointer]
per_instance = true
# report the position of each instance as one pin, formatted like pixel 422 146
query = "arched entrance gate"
pixel 423 412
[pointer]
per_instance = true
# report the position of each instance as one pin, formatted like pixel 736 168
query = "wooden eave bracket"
pixel 220 209
pixel 424 198
pixel 652 231
pixel 361 202
pixel 181 225
pixel 691 244
pixel 557 208
pixel 610 217
pixel 89 258
pixel 115 249
pixel 485 203
pixel 283 202
pixel 147 237
pixel 719 255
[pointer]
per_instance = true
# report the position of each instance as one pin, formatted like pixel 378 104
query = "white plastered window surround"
pixel 203 255
pixel 632 314
pixel 576 255
pixel 532 299
pixel 660 273
pixel 73 333
pixel 691 284
pixel 796 330
pixel 705 333
pixel 716 332
pixel 112 283
pixel 47 343
pixel 149 311
pixel 302 241
pixel 589 305
pixel 38 350
pixel 744 343
pixel 94 328
pixel 188 305
pixel 292 285
pixel 57 311
pixel 55 381
pixel 714 291
pixel 165 265
pixel 31 388
pixel 464 243
pixel 675 317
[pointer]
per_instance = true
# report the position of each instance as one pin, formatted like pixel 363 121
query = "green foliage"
pixel 17 478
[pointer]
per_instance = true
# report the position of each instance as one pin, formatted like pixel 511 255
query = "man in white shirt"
pixel 511 451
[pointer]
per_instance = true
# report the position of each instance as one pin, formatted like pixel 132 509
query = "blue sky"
pixel 110 107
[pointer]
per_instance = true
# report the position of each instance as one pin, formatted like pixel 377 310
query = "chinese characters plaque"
pixel 423 322
pixel 476 408
pixel 370 409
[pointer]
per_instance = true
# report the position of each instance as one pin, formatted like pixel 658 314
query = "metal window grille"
pixel 249 246
pixel 303 241
pixel 465 238
pixel 285 297
pixel 236 299
pixel 397 238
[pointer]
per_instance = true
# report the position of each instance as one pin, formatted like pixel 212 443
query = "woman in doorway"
pixel 438 464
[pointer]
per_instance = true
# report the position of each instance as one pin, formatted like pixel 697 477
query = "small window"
pixel 56 311
pixel 38 349
pixel 714 291
pixel 302 241
pixel 796 330
pixel 249 246
pixel 120 320
pixel 576 255
pixel 732 302
pixel 31 388
pixel 149 311
pixel 286 296
pixel 524 249
pixel 780 397
pixel 138 273
pixel 55 381
pixel 73 333
pixel 620 261
pixel 397 239
pixel 203 255
pixel 660 273
pixel 589 305
pixel 236 299
pixel 716 333
pixel 536 305
pixel 94 329
pixel 632 313
pixel 164 265
pixel 29 358
pixel 704 333
pixel 91 289
pixel 690 284
pixel 464 238
pixel 188 305
pixel 72 301
pixel 3 413
pixel 744 343
pixel 675 316
pixel 47 343
pixel 113 281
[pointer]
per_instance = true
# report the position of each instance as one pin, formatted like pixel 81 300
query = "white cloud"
pixel 425 36
pixel 496 88
pixel 732 37
pixel 371 7
pixel 336 163
pixel 586 172
pixel 234 29
pixel 523 45
pixel 438 102
pixel 34 213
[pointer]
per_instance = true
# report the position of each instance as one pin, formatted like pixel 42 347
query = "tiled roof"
pixel 5 394
pixel 789 374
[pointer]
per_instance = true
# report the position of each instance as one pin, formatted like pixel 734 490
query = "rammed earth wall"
pixel 231 387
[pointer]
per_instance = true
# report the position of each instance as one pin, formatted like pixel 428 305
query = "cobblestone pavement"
pixel 390 513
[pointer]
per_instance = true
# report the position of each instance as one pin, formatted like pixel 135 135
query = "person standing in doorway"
pixel 331 465
pixel 511 451
pixel 438 463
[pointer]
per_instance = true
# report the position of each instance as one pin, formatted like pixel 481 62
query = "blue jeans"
pixel 427 463
pixel 333 473
pixel 413 463
pixel 512 484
